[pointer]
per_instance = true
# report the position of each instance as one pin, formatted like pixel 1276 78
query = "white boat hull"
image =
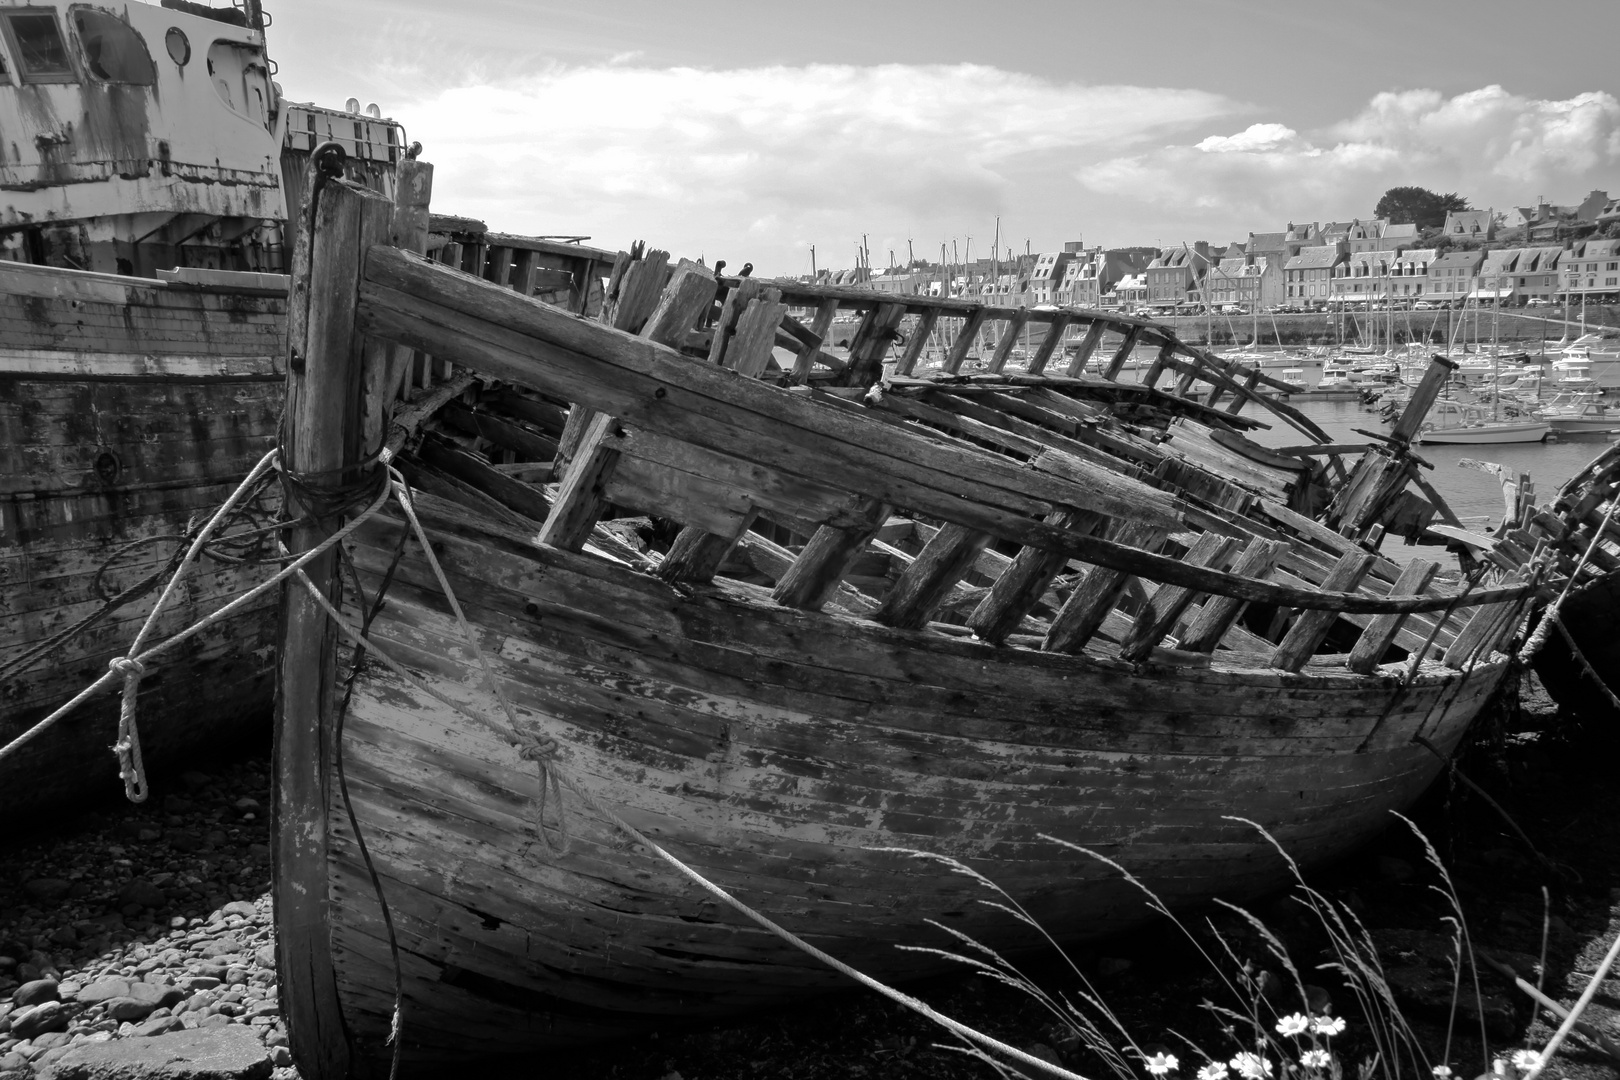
pixel 1486 434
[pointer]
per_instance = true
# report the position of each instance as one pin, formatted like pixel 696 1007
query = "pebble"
pixel 143 924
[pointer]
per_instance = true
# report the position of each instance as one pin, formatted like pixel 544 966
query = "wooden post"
pixel 1312 625
pixel 923 585
pixel 918 341
pixel 1376 635
pixel 871 343
pixel 1088 345
pixel 1009 338
pixel 1428 388
pixel 1167 351
pixel 325 434
pixel 818 328
pixel 408 229
pixel 1088 605
pixel 1019 588
pixel 971 325
pixel 1123 353
pixel 814 576
pixel 1049 344
pixel 1218 614
pixel 1167 603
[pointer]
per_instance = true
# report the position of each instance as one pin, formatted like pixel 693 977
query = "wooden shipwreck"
pixel 777 612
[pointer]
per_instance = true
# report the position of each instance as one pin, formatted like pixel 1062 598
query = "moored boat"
pixel 771 613
pixel 1456 423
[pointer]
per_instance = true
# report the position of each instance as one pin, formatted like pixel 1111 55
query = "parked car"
pixel 1424 305
pixel 1231 309
pixel 1538 301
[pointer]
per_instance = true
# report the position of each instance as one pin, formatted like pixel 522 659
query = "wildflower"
pixel 1296 1024
pixel 1314 1059
pixel 1329 1025
pixel 1527 1059
pixel 1442 1072
pixel 1213 1071
pixel 1162 1064
pixel 1251 1066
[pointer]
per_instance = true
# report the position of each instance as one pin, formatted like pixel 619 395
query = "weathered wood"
pixel 1167 352
pixel 1122 354
pixel 1377 636
pixel 802 364
pixel 1088 605
pixel 473 470
pixel 525 270
pixel 749 348
pixel 918 342
pixel 696 554
pixel 1422 400
pixel 965 339
pixel 923 586
pixel 685 300
pixel 1238 400
pixel 1485 627
pixel 325 435
pixel 580 501
pixel 408 231
pixel 1310 627
pixel 1020 587
pixel 512 435
pixel 1167 603
pixel 870 344
pixel 639 287
pixel 815 574
pixel 1049 344
pixel 1009 339
pixel 1218 613
pixel 498 265
pixel 1088 346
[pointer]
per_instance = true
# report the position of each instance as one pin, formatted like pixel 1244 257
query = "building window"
pixel 36 42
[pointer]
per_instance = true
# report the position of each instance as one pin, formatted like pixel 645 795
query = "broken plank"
pixel 815 574
pixel 1218 613
pixel 1168 602
pixel 1020 587
pixel 1088 605
pixel 1310 627
pixel 923 585
pixel 1380 632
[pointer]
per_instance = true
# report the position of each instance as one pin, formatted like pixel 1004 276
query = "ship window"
pixel 178 45
pixel 113 51
pixel 37 43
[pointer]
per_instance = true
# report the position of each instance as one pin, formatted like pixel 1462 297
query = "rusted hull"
pixel 128 412
pixel 775 750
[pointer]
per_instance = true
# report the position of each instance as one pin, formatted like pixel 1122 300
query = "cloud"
pixel 755 164
pixel 1494 147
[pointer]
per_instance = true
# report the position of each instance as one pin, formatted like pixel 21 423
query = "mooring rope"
pixel 1543 630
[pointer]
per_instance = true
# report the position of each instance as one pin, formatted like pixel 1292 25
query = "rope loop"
pixel 533 747
pixel 127 666
pixel 131 769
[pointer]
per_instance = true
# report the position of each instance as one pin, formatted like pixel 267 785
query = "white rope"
pixel 1568 1025
pixel 1544 628
pixel 114 674
pixel 518 738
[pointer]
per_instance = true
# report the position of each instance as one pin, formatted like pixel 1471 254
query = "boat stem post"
pixel 324 445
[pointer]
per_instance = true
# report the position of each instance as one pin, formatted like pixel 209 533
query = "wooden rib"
pixel 1486 625
pixel 825 314
pixel 1049 344
pixel 918 342
pixel 1122 354
pixel 1088 605
pixel 815 574
pixel 923 586
pixel 640 286
pixel 505 433
pixel 684 301
pixel 498 265
pixel 1169 601
pixel 1238 400
pixel 1310 627
pixel 1167 353
pixel 870 345
pixel 579 499
pixel 525 268
pixel 1088 345
pixel 1020 587
pixel 749 350
pixel 1216 617
pixel 1009 338
pixel 731 309
pixel 971 326
pixel 1381 630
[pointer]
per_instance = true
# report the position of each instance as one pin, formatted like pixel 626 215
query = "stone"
pixel 129 1009
pixel 247 804
pixel 36 992
pixel 162 995
pixel 225 946
pixel 193 983
pixel 47 890
pixel 242 908
pixel 159 1025
pixel 280 1056
pixel 103 990
pixel 176 804
pixel 259 852
pixel 264 1008
pixel 51 1040
pixel 11 1061
pixel 37 1020
pixel 230 1053
pixel 141 893
pixel 266 956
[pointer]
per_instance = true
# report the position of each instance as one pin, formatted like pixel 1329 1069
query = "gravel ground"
pixel 126 922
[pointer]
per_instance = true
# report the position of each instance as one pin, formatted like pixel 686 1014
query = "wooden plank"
pixel 1486 625
pixel 1310 627
pixel 1238 400
pixel 1009 339
pixel 1122 354
pixel 685 300
pixel 924 585
pixel 413 187
pixel 748 351
pixel 696 554
pixel 1218 613
pixel 1049 344
pixel 1020 587
pixel 815 574
pixel 1088 605
pixel 802 364
pixel 498 265
pixel 1168 602
pixel 965 339
pixel 525 269
pixel 1167 352
pixel 510 434
pixel 1088 345
pixel 918 341
pixel 473 470
pixel 871 343
pixel 325 435
pixel 1381 631
pixel 1422 400
pixel 580 501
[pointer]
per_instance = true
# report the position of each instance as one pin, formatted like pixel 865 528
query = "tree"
pixel 1428 209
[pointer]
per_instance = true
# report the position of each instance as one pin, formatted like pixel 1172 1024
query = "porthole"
pixel 178 45
pixel 108 467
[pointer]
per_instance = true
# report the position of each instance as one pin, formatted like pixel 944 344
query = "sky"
pixel 751 132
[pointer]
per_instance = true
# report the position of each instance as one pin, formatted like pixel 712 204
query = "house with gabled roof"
pixel 1308 276
pixel 1046 275
pixel 1409 273
pixel 1088 279
pixel 1363 278
pixel 1454 275
pixel 1498 277
pixel 1177 275
pixel 1470 225
pixel 1591 270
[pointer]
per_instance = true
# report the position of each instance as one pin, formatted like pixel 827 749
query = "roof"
pixel 1314 257
pixel 1501 261
pixel 1458 258
pixel 1540 258
pixel 1416 255
pixel 1470 220
pixel 1408 231
pixel 1266 241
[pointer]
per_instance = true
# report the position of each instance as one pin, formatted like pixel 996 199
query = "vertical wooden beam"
pixel 408 229
pixel 1218 614
pixel 1009 338
pixel 749 350
pixel 1167 352
pixel 1049 344
pixel 685 300
pixel 1487 624
pixel 1083 612
pixel 825 314
pixel 1422 400
pixel 1019 588
pixel 325 435
pixel 871 344
pixel 525 268
pixel 498 265
pixel 1238 400
pixel 814 576
pixel 1123 353
pixel 1088 345
pixel 1312 625
pixel 971 325
pixel 1377 635
pixel 918 342
pixel 1169 601
pixel 923 585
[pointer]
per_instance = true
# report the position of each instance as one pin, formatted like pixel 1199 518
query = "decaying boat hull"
pixel 1592 616
pixel 775 750
pixel 129 410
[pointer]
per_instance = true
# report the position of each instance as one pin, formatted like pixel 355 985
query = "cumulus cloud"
pixel 1494 147
pixel 758 163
